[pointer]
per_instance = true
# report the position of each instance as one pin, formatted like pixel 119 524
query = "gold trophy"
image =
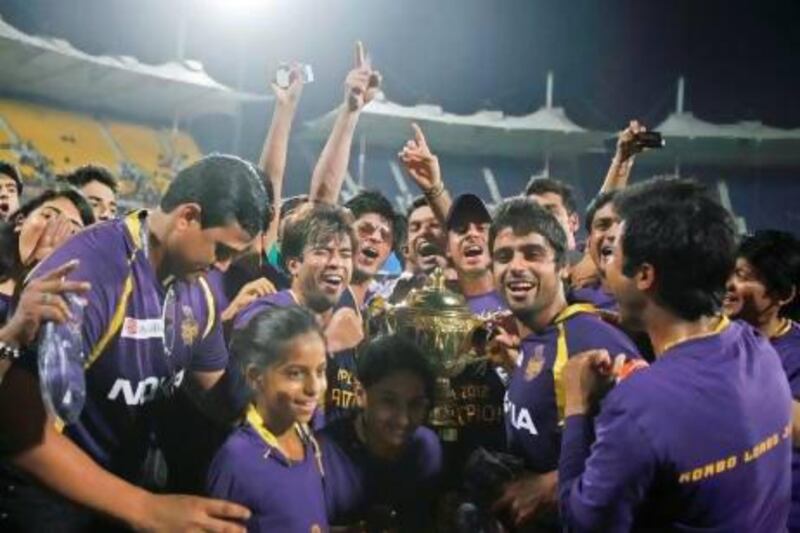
pixel 439 321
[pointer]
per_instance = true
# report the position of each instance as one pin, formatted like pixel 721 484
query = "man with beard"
pixel 317 251
pixel 528 251
pixel 764 291
pixel 701 438
pixel 601 222
pixel 10 190
pixel 140 338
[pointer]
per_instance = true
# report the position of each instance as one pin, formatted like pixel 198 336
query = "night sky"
pixel 612 59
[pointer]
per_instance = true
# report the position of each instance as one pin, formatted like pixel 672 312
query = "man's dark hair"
pixel 89 173
pixel 599 202
pixel 416 203
pixel 539 186
pixel 389 354
pixel 366 202
pixel 524 216
pixel 7 169
pixel 227 189
pixel 686 235
pixel 316 226
pixel 289 205
pixel 775 255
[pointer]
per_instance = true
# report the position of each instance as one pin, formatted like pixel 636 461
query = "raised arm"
pixel 619 171
pixel 423 166
pixel 361 86
pixel 276 145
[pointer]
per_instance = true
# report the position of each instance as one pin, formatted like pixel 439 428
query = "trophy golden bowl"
pixel 439 321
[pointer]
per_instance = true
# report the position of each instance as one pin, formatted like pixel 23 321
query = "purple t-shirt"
pixel 282 495
pixel 700 440
pixel 787 344
pixel 356 482
pixel 124 338
pixel 531 404
pixel 595 295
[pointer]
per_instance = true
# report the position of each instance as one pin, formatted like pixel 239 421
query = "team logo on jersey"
pixel 535 363
pixel 189 327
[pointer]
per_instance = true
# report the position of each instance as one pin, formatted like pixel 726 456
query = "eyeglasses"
pixel 367 229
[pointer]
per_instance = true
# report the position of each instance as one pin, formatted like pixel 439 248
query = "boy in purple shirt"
pixel 140 338
pixel 701 439
pixel 271 464
pixel 528 248
pixel 382 465
pixel 317 248
pixel 763 291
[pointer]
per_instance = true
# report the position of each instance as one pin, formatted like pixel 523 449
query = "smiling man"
pixel 528 249
pixel 317 250
pixel 141 335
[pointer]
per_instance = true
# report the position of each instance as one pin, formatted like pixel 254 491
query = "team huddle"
pixel 222 372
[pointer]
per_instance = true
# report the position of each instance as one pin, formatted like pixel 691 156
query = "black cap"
pixel 465 209
pixel 7 169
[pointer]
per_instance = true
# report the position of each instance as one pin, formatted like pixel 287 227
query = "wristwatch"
pixel 8 351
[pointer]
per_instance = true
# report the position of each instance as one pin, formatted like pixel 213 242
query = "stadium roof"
pixel 546 131
pixel 54 70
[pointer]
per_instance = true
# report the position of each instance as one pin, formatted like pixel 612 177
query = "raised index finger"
pixel 418 135
pixel 359 54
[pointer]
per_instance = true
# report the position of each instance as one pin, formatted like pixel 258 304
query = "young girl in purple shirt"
pixel 271 464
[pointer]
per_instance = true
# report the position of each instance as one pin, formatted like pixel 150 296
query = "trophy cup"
pixel 439 321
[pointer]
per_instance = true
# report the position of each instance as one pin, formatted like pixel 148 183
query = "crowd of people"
pixel 223 378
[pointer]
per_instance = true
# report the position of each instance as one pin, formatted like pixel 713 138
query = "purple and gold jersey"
pixel 787 344
pixel 357 484
pixel 593 294
pixel 701 440
pixel 534 403
pixel 139 339
pixel 282 495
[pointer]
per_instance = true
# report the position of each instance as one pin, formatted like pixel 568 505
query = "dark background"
pixel 612 59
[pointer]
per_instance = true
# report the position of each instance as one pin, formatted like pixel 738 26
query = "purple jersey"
pixel 216 282
pixel 593 294
pixel 357 483
pixel 479 393
pixel 700 440
pixel 787 344
pixel 535 398
pixel 137 347
pixel 486 303
pixel 282 495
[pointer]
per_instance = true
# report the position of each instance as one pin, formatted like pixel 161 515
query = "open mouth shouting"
pixel 368 255
pixel 606 253
pixel 4 209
